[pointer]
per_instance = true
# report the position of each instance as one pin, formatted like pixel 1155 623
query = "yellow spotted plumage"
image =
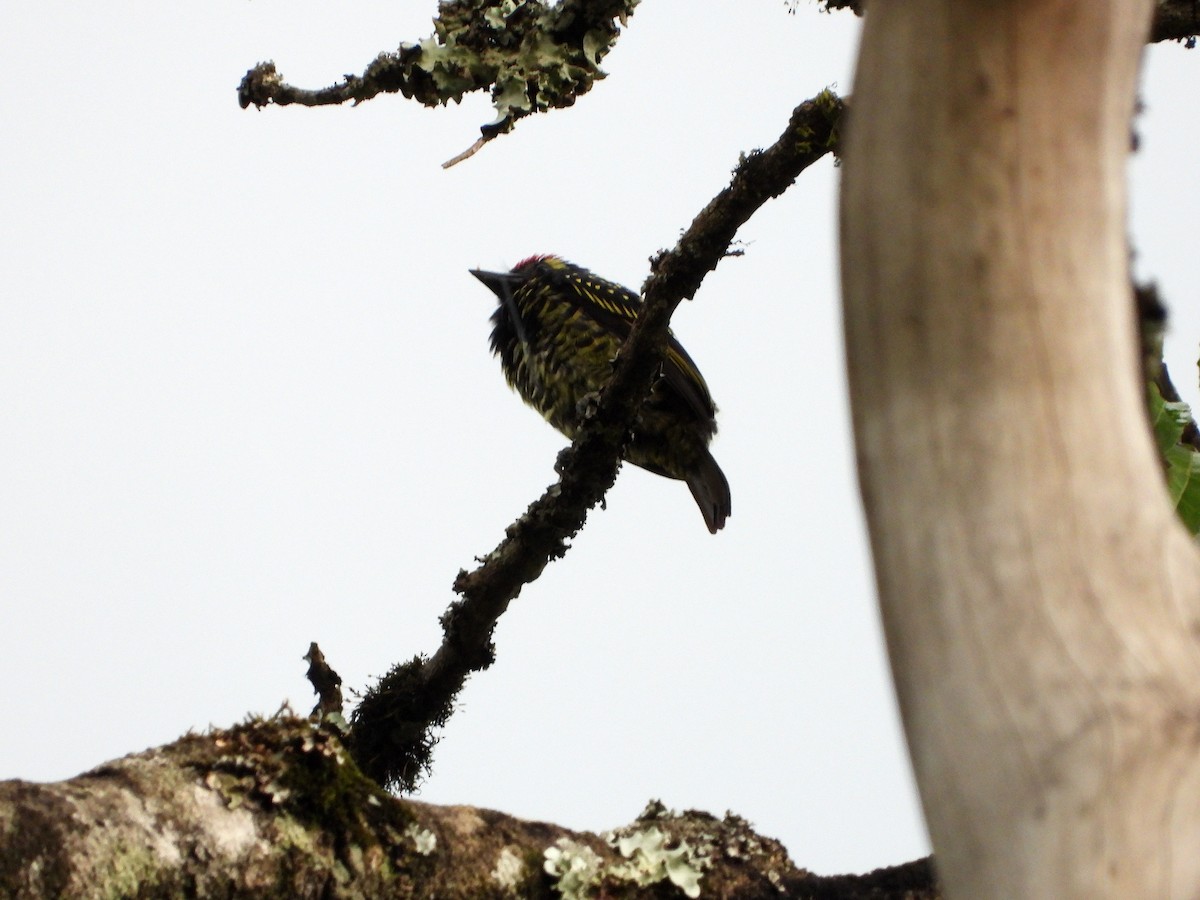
pixel 557 330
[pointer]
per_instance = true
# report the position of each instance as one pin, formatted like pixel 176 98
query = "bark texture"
pixel 277 809
pixel 1041 601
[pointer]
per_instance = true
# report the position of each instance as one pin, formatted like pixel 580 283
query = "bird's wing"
pixel 616 308
pixel 681 373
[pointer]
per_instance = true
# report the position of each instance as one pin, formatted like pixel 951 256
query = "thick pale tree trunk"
pixel 1041 602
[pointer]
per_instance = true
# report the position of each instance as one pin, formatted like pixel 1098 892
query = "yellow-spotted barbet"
pixel 557 330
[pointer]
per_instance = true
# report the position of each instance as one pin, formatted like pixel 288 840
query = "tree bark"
pixel 276 808
pixel 1041 601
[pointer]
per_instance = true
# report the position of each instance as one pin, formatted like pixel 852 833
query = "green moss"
pixel 303 773
pixel 392 728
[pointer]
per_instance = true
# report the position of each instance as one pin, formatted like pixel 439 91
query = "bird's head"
pixel 502 284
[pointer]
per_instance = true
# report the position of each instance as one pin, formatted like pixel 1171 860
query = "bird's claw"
pixel 587 405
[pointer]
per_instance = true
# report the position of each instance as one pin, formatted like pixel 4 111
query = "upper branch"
pixel 1174 20
pixel 532 56
pixel 391 726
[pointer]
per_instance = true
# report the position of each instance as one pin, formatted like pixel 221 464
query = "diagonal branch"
pixel 391 728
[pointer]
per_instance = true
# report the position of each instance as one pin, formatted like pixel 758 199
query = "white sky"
pixel 246 402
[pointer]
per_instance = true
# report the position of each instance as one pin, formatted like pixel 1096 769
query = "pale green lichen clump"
pixel 574 867
pixel 648 860
pixel 651 861
pixel 509 871
pixel 424 840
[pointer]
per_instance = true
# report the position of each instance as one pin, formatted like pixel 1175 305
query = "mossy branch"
pixel 275 808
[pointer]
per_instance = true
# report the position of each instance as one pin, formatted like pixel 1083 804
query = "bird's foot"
pixel 587 405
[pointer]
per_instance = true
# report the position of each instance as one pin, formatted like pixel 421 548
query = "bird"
pixel 557 330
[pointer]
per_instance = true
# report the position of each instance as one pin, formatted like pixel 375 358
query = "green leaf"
pixel 1169 420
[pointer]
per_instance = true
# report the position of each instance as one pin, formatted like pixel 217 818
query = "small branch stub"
pixel 327 685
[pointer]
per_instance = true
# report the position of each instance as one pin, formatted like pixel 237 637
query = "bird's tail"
pixel 708 485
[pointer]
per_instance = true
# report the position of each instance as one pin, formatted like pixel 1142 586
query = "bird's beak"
pixel 499 283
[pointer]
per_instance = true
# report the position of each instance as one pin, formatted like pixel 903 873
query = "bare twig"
pixel 466 154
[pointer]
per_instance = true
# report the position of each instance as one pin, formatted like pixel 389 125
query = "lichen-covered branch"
pixel 532 56
pixel 391 728
pixel 276 808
